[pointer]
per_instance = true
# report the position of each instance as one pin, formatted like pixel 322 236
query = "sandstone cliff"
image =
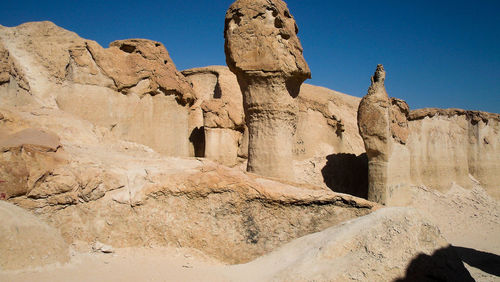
pixel 131 88
pixel 451 145
pixel 432 147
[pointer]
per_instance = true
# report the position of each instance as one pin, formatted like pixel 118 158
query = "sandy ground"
pixel 469 219
pixel 130 264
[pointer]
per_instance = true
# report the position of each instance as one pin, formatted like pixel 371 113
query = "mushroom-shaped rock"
pixel 263 50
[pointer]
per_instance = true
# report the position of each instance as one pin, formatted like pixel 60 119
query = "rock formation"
pixel 99 188
pixel 218 112
pixel 263 50
pixel 374 127
pixel 76 121
pixel 454 146
pixel 74 155
pixel 131 88
pixel 327 148
pixel 431 147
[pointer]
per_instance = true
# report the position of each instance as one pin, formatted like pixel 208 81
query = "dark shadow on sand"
pixel 447 265
pixel 487 262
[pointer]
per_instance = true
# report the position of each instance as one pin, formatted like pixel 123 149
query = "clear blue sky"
pixel 436 53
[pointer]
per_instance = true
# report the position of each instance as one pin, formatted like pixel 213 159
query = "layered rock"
pixel 431 147
pixel 131 88
pixel 218 111
pixel 454 146
pixel 263 50
pixel 327 151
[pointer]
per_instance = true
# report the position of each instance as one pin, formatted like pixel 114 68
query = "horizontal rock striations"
pixel 431 147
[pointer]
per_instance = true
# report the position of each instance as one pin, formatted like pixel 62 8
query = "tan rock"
pixel 399 120
pixel 263 50
pixel 217 112
pixel 137 66
pixel 431 147
pixel 9 70
pixel 374 121
pixel 131 88
pixel 124 195
pixel 30 145
pixel 327 131
pixel 156 121
pixel 142 201
pixel 377 247
pixel 261 36
pixel 447 145
pixel 221 145
pixel 28 242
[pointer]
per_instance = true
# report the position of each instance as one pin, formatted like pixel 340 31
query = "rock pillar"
pixel 263 50
pixel 374 127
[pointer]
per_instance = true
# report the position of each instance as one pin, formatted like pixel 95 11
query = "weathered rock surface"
pixel 77 170
pixel 448 145
pixel 132 88
pixel 375 124
pixel 377 247
pixel 27 242
pixel 95 187
pixel 263 50
pixel 261 36
pixel 327 150
pixel 217 113
pixel 137 66
pixel 431 147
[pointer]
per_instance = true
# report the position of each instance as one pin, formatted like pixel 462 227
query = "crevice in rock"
pixel 127 48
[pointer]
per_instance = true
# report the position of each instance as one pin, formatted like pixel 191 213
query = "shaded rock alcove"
pixel 347 173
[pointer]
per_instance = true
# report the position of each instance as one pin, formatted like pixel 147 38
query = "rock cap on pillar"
pixel 261 39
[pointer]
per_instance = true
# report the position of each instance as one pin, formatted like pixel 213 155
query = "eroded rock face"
pixel 374 121
pixel 137 66
pixel 448 145
pixel 263 50
pixel 132 88
pixel 431 147
pixel 327 148
pixel 217 113
pixel 93 187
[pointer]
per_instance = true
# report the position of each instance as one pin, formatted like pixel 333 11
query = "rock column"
pixel 263 50
pixel 374 128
